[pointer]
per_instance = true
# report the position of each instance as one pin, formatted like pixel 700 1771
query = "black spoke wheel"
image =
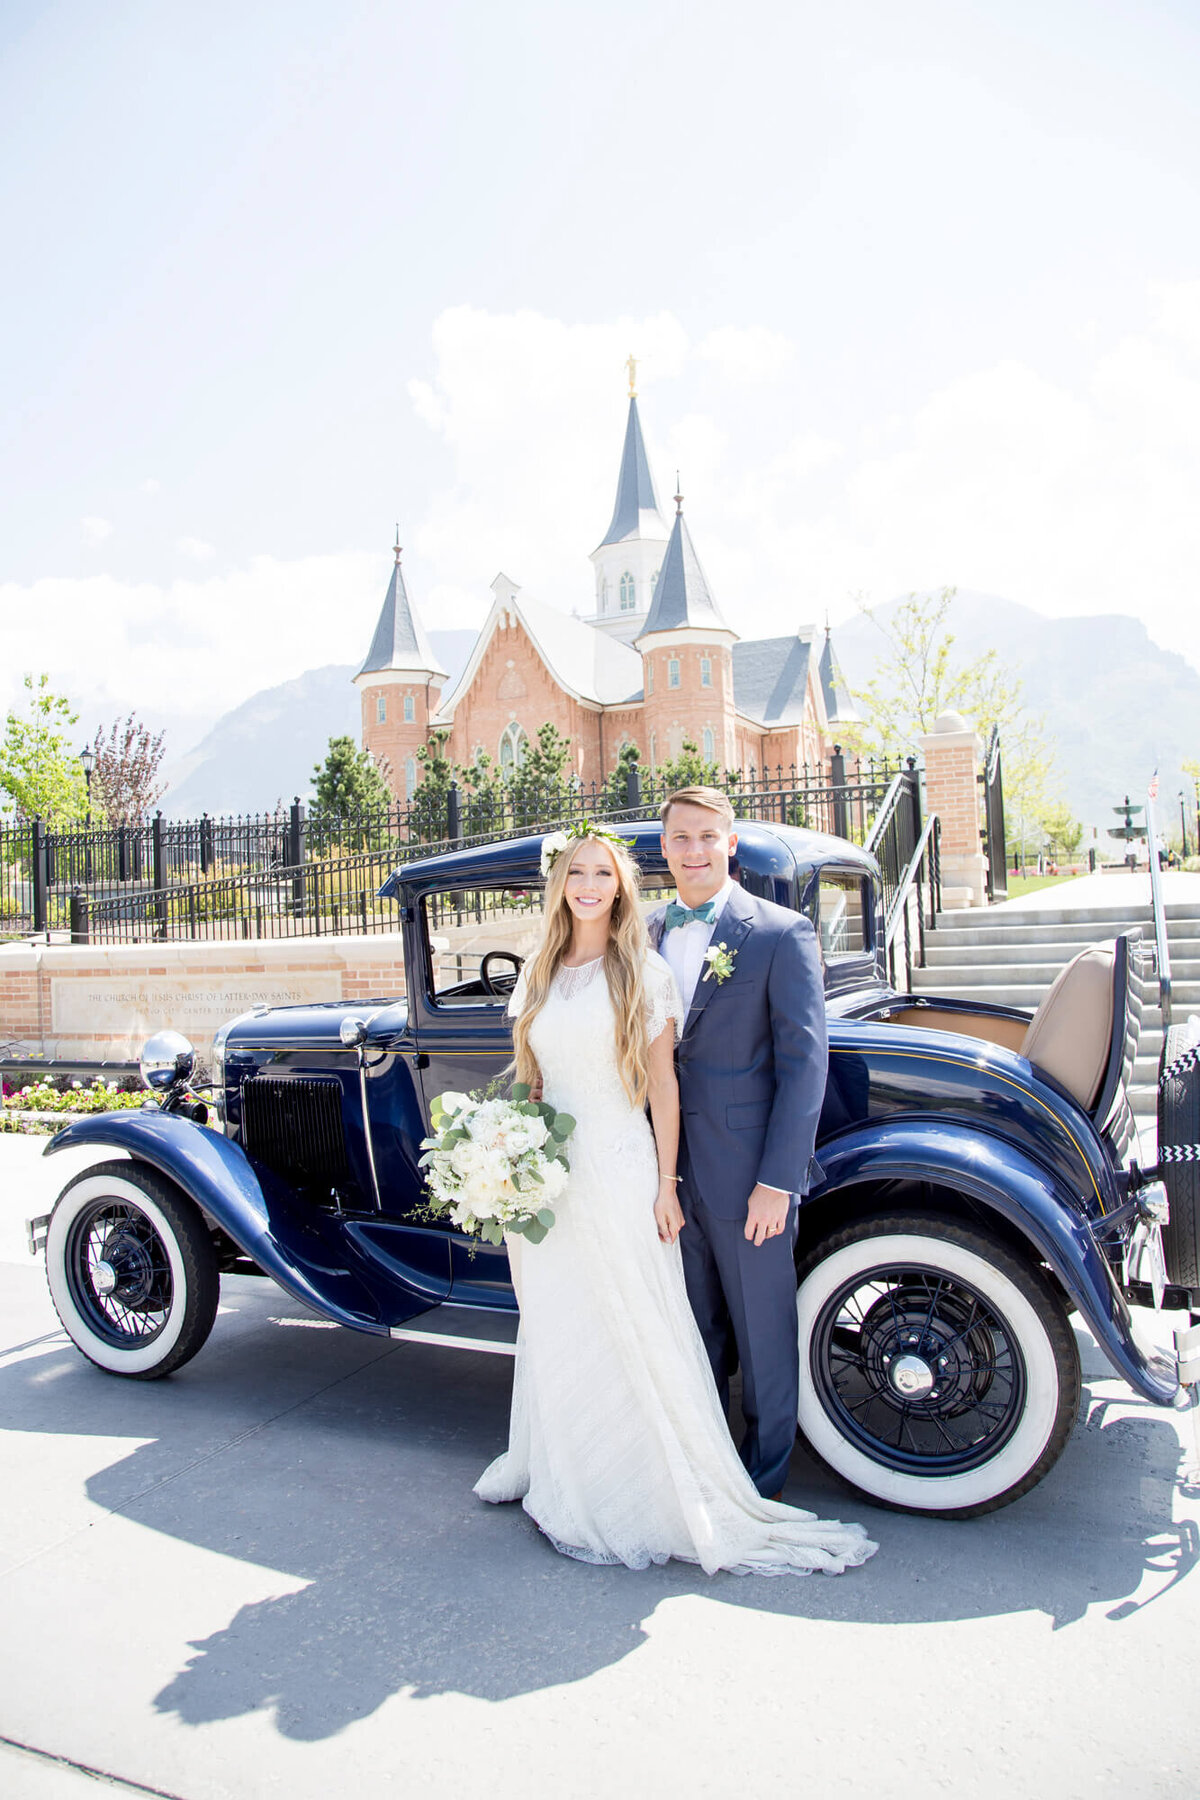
pixel 132 1270
pixel 938 1371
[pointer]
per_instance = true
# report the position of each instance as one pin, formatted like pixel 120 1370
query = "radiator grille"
pixel 296 1127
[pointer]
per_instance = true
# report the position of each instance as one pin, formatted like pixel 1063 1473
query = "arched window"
pixel 381 709
pixel 706 671
pixel 513 745
pixel 410 777
pixel 673 672
pixel 710 748
pixel 410 709
pixel 649 675
pixel 628 592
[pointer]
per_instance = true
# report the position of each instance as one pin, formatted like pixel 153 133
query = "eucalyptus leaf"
pixel 521 1090
pixel 562 1127
pixel 534 1232
pixel 546 1217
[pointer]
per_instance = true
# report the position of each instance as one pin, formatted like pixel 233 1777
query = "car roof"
pixel 764 848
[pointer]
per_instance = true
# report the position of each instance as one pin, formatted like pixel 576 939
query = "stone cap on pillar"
pixel 951 732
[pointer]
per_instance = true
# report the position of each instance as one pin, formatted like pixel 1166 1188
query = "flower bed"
pixel 42 1107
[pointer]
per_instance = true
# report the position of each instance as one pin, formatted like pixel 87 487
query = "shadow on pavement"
pixel 348 1462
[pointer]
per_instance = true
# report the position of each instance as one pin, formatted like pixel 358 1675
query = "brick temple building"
pixel 656 663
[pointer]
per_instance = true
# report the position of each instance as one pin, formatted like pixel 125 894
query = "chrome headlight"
pixel 166 1058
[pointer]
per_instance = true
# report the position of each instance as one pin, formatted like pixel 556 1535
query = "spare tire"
pixel 1179 1153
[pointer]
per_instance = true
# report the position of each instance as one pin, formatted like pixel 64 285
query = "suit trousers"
pixel 744 1300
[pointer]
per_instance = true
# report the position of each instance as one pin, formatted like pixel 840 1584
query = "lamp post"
pixel 87 757
pixel 1183 822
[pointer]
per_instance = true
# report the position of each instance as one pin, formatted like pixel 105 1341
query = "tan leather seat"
pixel 1070 1034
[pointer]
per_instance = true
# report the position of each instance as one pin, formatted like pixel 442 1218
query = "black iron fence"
pixel 994 847
pixel 224 869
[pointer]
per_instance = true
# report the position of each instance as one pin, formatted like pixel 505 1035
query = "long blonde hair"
pixel 624 967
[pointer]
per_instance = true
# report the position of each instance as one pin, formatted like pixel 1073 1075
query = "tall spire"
pixel 636 511
pixel 682 595
pixel 400 641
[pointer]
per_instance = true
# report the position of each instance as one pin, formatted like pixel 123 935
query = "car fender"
pixel 1026 1196
pixel 308 1256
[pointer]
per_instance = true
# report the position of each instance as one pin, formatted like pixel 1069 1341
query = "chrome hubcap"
pixel 911 1376
pixel 104 1278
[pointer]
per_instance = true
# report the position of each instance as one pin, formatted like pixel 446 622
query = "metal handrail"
pixel 897 913
pixel 1162 948
pixel 887 807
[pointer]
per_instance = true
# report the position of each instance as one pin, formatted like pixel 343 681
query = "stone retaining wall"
pixel 95 1002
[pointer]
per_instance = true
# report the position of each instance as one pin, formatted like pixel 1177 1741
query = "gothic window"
pixel 513 745
pixel 410 709
pixel 628 592
pixel 706 671
pixel 710 748
pixel 410 777
pixel 673 672
pixel 381 709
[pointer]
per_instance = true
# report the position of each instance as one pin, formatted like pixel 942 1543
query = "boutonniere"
pixel 720 963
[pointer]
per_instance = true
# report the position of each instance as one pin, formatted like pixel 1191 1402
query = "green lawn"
pixel 1030 884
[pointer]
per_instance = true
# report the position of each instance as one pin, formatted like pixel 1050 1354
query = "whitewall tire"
pixel 938 1370
pixel 132 1270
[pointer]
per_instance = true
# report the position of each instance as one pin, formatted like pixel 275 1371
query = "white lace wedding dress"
pixel 618 1446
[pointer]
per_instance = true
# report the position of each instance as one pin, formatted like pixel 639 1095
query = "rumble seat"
pixel 1070 1034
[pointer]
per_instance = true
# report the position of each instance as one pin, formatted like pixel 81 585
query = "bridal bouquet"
pixel 495 1165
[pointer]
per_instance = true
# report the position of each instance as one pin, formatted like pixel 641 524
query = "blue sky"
pixel 916 291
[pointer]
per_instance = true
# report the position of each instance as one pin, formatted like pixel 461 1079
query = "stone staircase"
pixel 1010 955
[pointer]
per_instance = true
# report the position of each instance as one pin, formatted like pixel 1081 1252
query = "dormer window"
pixel 673 672
pixel 410 709
pixel 628 592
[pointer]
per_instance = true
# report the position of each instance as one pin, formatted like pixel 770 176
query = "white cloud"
pixel 150 486
pixel 748 353
pixel 196 548
pixel 95 529
pixel 202 644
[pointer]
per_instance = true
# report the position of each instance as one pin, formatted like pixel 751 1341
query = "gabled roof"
pixel 636 511
pixel 400 641
pixel 770 678
pixel 839 702
pixel 682 596
pixel 588 664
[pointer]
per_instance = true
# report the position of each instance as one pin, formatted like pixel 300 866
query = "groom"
pixel 752 1064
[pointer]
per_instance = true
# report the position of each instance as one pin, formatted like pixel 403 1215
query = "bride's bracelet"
pixel 663 1177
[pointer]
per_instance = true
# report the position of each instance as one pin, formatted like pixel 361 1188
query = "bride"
pixel 618 1446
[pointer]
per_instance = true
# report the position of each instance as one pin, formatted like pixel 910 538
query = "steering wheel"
pixel 485 971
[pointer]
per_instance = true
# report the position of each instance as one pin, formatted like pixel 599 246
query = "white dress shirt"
pixel 682 949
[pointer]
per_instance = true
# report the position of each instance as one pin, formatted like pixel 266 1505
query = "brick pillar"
pixel 952 761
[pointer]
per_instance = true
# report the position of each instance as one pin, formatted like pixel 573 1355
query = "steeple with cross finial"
pixel 400 684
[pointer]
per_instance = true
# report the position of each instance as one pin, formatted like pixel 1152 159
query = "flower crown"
pixel 556 842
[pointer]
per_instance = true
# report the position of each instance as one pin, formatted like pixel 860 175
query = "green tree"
pixel 1063 833
pixel 616 788
pixel 348 787
pixel 427 808
pixel 919 677
pixel 40 773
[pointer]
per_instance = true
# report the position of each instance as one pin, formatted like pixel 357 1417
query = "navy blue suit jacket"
pixel 753 1058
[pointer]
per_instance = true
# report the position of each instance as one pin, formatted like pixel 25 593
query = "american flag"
pixel 1152 790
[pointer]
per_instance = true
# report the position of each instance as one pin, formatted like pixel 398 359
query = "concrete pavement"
pixel 268 1574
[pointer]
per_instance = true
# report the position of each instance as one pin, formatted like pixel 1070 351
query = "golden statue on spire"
pixel 631 367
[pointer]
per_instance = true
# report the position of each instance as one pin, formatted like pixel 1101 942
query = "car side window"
pixel 842 914
pixel 477 940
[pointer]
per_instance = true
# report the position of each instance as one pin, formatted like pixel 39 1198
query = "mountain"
pixel 1116 705
pixel 265 750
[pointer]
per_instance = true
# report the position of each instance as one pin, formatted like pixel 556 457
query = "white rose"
pixel 552 846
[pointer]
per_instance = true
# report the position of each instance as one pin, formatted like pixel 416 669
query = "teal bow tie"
pixel 683 915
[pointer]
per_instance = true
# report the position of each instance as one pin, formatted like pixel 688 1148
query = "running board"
pixel 462 1328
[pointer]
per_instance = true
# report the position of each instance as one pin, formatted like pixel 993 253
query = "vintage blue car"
pixel 976 1187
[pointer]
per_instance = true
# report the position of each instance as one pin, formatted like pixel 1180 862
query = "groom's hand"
pixel 767 1214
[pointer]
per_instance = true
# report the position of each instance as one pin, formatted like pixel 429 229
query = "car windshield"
pixel 478 937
